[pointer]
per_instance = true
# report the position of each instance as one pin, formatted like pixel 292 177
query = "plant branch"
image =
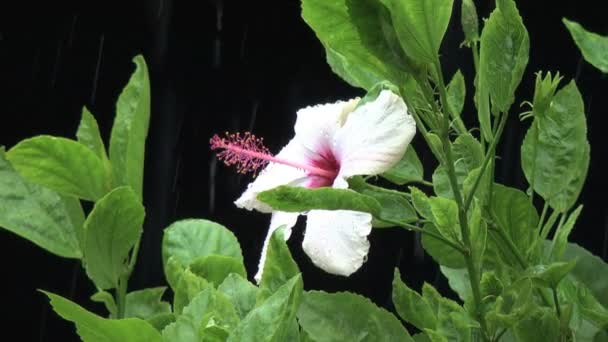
pixel 459 125
pixel 433 234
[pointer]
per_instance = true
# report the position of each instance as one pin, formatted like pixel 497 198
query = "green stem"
pixel 542 217
pixel 121 295
pixel 433 234
pixel 556 302
pixel 490 154
pixel 443 95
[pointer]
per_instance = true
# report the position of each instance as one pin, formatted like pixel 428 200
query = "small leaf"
pixel 458 279
pixel 146 303
pixel 92 328
pixel 550 275
pixel 190 239
pixel 540 325
pixel 88 135
pixel 272 319
pixel 420 26
pixel 279 266
pixel 60 164
pixel 215 268
pixel 298 199
pixel 112 228
pixel 593 46
pixel 468 157
pixel 407 170
pixel 456 90
pixel 188 287
pixel 346 316
pixel 240 292
pixel 38 214
pixel 490 285
pixel 560 239
pixel 469 22
pixel 445 217
pixel 107 300
pixel 130 129
pixel 411 307
pixel 421 202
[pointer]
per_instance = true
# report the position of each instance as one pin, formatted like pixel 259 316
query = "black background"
pixel 231 65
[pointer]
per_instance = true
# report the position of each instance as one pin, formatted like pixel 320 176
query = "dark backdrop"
pixel 230 65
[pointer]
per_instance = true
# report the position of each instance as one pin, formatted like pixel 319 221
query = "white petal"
pixel 279 218
pixel 336 240
pixel 374 136
pixel 316 125
pixel 272 176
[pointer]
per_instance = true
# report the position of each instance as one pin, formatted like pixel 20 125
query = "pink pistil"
pixel 248 153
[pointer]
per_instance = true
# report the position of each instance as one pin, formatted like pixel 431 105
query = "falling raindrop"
pixel 97 68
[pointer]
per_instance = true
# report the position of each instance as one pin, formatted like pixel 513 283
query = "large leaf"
pixel 359 40
pixel 503 57
pixel 128 138
pixel 191 239
pixel 411 306
pixel 589 270
pixel 146 303
pixel 93 328
pixel 38 214
pixel 111 230
pixel 407 170
pixel 241 293
pixel 555 152
pixel 279 266
pixel 63 165
pixel 346 316
pixel 593 46
pixel 298 199
pixel 420 26
pixel 272 319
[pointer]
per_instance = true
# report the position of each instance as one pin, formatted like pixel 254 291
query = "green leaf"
pixel 458 279
pixel 468 157
pixel 490 285
pixel 279 266
pixel 445 217
pixel 442 253
pixel 188 287
pixel 453 322
pixel 208 311
pixel 108 301
pixel 514 214
pixel 555 152
pixel 346 316
pixel 146 303
pixel 112 228
pixel 540 325
pixel 38 214
pixel 173 271
pixel 215 268
pixel 544 91
pixel 92 328
pixel 560 239
pixel 88 135
pixel 587 271
pixel 478 234
pixel 395 206
pixel 407 170
pixel 550 275
pixel 421 203
pixel 410 305
pixel 298 199
pixel 469 22
pixel 190 239
pixel 273 318
pixel 359 40
pixel 63 165
pixel 128 137
pixel 503 55
pixel 456 90
pixel 161 321
pixel 593 46
pixel 240 292
pixel 420 26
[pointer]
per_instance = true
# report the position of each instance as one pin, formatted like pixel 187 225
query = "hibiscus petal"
pixel 336 240
pixel 374 136
pixel 316 126
pixel 272 176
pixel 279 218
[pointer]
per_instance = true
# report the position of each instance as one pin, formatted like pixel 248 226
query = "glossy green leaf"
pixel 593 46
pixel 108 301
pixel 359 40
pixel 112 229
pixel 191 239
pixel 279 266
pixel 240 292
pixel 42 216
pixel 188 287
pixel 420 26
pixel 130 129
pixel 273 318
pixel 63 165
pixel 215 268
pixel 92 328
pixel 550 275
pixel 560 239
pixel 513 212
pixel 410 305
pixel 347 316
pixel 469 22
pixel 540 325
pixel 407 170
pixel 298 199
pixel 456 90
pixel 555 152
pixel 88 134
pixel 442 253
pixel 146 303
